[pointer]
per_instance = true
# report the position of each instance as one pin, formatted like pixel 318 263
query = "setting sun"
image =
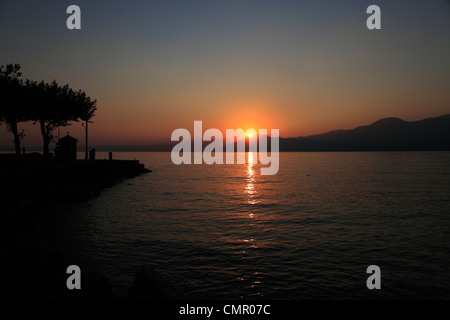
pixel 225 150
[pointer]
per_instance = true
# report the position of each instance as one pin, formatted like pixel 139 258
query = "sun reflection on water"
pixel 250 187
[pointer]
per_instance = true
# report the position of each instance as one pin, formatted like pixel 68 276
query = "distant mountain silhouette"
pixel 388 134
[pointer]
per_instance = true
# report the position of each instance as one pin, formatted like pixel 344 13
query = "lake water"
pixel 310 231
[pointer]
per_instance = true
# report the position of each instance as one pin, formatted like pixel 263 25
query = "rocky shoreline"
pixel 36 183
pixel 33 273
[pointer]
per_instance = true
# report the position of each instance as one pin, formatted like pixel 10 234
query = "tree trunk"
pixel 45 138
pixel 15 131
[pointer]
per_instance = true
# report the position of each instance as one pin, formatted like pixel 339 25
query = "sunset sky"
pixel 304 67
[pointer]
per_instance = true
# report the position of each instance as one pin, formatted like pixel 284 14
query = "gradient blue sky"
pixel 304 67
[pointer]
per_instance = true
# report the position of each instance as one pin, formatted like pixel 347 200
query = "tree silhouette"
pixel 85 111
pixel 48 104
pixel 12 106
pixel 53 107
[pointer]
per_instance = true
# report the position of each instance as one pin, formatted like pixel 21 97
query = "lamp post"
pixel 86 154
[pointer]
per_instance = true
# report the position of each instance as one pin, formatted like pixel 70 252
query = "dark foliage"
pixel 48 104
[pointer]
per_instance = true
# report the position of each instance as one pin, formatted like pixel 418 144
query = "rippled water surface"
pixel 311 231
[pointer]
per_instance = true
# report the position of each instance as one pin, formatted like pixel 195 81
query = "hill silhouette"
pixel 388 134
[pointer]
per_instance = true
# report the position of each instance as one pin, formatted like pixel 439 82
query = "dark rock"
pixel 94 285
pixel 150 285
pixel 28 272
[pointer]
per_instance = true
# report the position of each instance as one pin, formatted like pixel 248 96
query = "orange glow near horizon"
pixel 244 65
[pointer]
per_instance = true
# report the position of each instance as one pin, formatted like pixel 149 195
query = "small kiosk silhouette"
pixel 66 148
